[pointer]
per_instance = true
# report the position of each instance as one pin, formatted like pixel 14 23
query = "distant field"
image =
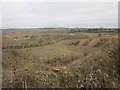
pixel 60 59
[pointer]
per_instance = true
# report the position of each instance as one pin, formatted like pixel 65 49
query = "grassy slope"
pixel 62 64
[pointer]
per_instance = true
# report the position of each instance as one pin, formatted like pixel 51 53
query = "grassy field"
pixel 60 59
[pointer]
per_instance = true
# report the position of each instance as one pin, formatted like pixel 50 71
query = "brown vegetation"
pixel 66 60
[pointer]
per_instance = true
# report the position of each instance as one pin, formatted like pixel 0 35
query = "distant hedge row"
pixel 23 46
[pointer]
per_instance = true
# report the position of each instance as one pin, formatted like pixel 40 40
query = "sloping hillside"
pixel 69 60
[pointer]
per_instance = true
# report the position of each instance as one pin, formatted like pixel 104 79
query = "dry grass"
pixel 60 59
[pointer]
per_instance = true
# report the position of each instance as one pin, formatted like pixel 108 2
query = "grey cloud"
pixel 24 14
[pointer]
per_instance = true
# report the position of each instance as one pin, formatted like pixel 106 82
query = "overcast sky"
pixel 59 14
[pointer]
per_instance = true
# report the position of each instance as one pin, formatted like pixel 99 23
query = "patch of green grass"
pixel 30 65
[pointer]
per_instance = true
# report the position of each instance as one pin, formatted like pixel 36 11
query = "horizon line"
pixel 59 27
